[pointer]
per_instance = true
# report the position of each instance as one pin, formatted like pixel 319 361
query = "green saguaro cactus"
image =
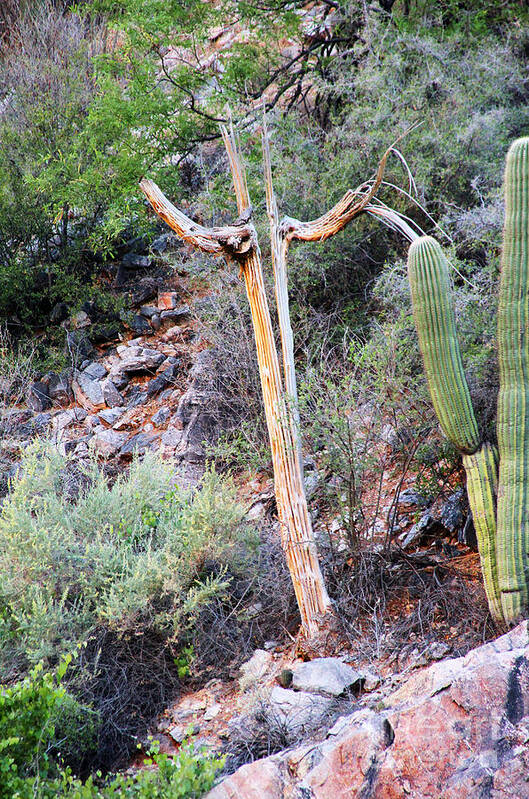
pixel 499 501
pixel 436 328
pixel 513 398
pixel 434 316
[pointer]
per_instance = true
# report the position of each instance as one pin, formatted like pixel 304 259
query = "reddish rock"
pixel 255 781
pixel 457 730
pixel 167 300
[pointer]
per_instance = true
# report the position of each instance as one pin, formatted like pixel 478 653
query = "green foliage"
pixel 468 93
pixel 137 554
pixel 25 712
pixel 161 91
pixel 239 448
pixel 458 16
pixel 30 712
pixel 184 661
pixel 353 405
pixel 436 462
pixel 188 775
pixel 47 87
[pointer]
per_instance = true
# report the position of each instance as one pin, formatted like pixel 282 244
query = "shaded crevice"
pixel 389 733
pixel 514 704
pixel 370 779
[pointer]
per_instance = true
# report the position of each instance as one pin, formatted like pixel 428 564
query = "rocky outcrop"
pixel 326 676
pixel 198 414
pixel 457 730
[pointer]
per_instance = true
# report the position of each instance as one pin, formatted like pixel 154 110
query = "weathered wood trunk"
pixel 296 529
pixel 238 242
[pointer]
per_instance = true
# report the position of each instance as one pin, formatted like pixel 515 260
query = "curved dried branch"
pixel 351 204
pixel 232 240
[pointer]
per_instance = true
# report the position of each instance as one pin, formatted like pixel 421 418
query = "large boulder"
pixel 457 730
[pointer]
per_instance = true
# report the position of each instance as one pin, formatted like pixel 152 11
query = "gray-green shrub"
pixel 136 555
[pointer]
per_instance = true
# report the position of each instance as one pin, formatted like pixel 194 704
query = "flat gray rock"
pixel 108 442
pixel 172 437
pixel 175 314
pixel 95 370
pixel 38 398
pixel 161 416
pixel 415 533
pixel 88 392
pixel 144 360
pixel 66 418
pixel 112 396
pixel 59 387
pixel 111 415
pixel 324 675
pixel 148 310
pixel 138 443
pixel 297 710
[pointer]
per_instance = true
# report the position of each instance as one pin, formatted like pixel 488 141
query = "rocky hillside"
pixel 144 590
pixel 457 730
pixel 151 389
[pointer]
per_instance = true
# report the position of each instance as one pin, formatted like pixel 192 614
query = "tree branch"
pixel 232 240
pixel 351 204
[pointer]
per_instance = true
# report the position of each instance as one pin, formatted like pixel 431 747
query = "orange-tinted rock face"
pixel 457 730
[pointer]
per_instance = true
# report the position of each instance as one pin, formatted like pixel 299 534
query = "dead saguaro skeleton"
pixel 238 242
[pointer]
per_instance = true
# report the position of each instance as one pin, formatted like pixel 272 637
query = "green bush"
pixel 362 409
pixel 133 569
pixel 47 86
pixel 188 775
pixel 30 712
pixel 136 555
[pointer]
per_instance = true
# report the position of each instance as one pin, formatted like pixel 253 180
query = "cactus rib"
pixel 434 316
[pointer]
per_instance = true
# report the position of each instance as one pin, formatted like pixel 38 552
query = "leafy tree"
pixel 48 83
